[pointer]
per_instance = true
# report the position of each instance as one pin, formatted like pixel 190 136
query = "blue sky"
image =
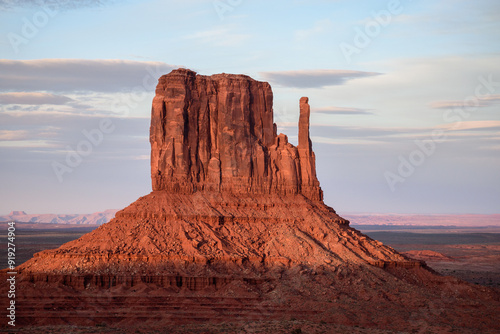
pixel 405 95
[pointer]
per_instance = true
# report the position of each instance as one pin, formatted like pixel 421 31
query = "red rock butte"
pixel 217 133
pixel 236 227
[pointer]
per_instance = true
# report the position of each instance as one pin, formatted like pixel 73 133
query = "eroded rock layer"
pixel 217 133
pixel 219 231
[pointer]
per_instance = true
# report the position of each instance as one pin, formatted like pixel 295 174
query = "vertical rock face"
pixel 310 183
pixel 216 133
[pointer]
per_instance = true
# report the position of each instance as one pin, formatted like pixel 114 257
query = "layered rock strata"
pixel 216 133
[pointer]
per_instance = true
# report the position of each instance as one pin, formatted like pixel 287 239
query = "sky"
pixel 405 95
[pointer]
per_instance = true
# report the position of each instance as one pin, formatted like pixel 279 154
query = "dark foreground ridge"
pixel 236 231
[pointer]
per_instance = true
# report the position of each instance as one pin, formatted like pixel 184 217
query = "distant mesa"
pixel 17 213
pixel 97 218
pixel 427 255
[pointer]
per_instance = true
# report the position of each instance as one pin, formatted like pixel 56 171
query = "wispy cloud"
pixel 342 131
pixel 33 98
pixel 473 125
pixel 341 111
pixel 481 102
pixel 361 132
pixel 314 78
pixel 73 75
pixel 450 104
pixel 26 144
pixel 13 135
pixel 57 131
pixel 491 99
pixel 484 131
pixel 10 4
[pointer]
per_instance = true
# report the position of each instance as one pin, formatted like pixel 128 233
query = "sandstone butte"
pixel 235 231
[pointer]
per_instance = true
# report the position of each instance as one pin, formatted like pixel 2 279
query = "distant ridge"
pixel 459 220
pixel 17 213
pixel 424 219
pixel 97 218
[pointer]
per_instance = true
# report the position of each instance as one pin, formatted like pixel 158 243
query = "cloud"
pixel 363 132
pixel 27 144
pixel 451 104
pixel 468 103
pixel 70 75
pixel 33 98
pixel 374 133
pixel 58 130
pixel 314 78
pixel 341 111
pixel 141 157
pixel 327 133
pixel 58 4
pixel 483 132
pixel 68 121
pixel 473 125
pixel 491 99
pixel 13 135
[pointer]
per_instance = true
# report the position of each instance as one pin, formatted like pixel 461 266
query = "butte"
pixel 235 231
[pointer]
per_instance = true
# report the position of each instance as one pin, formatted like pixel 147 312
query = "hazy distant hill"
pixel 97 218
pixel 424 220
pixel 100 218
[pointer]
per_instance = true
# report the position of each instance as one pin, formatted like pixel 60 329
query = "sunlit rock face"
pixel 216 133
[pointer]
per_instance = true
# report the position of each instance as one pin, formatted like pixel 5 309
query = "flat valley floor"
pixel 468 253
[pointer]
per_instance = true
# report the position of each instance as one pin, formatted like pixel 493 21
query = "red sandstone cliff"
pixel 216 133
